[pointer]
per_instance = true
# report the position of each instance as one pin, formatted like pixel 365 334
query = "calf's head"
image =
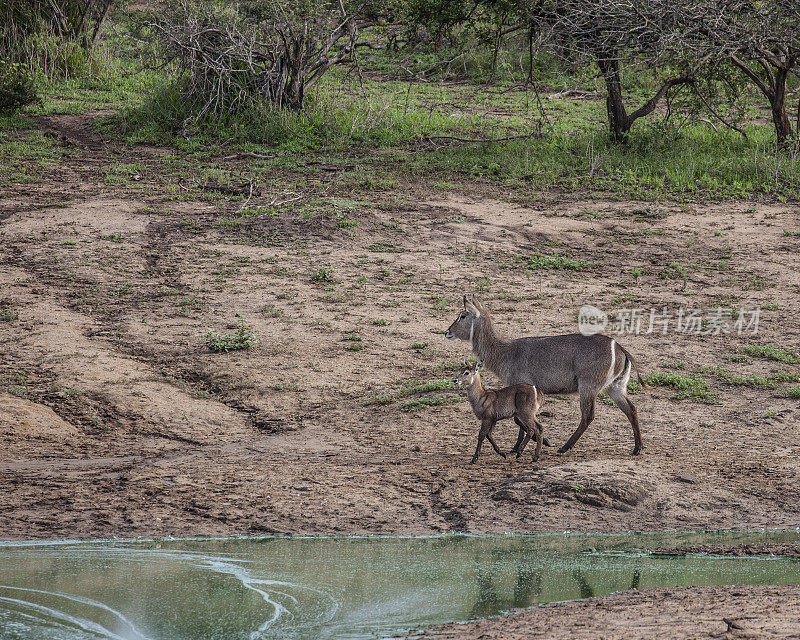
pixel 469 375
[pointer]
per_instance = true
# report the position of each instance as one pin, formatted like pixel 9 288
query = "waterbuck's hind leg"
pixel 587 415
pixel 539 426
pixel 627 407
pixel 538 432
pixel 525 440
pixel 521 435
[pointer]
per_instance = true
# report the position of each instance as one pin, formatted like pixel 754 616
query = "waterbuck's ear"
pixel 466 363
pixel 478 304
pixel 471 308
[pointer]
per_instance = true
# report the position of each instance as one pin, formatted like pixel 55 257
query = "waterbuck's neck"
pixel 486 343
pixel 475 391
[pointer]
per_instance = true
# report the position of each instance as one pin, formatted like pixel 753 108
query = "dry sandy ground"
pixel 116 420
pixel 683 613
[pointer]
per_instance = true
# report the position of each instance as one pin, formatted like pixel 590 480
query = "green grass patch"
pixel 771 352
pixel 769 382
pixel 442 384
pixel 386 247
pixel 554 261
pixel 422 403
pixel 688 386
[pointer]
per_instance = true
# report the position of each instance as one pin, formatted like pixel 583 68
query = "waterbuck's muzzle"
pixel 449 335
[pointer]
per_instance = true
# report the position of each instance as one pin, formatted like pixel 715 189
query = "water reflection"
pixel 292 588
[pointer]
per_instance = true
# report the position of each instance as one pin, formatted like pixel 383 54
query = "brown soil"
pixel 117 421
pixel 676 613
pixel 783 549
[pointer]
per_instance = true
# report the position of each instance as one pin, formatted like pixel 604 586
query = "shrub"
pixel 17 89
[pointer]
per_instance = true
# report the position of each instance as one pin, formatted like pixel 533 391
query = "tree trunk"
pixel 780 118
pixel 618 120
pixel 774 88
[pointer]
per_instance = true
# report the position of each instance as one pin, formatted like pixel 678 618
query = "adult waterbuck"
pixel 572 363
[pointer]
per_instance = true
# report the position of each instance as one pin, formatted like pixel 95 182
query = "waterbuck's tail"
pixel 629 358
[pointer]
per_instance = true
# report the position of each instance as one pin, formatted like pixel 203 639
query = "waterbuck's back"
pixel 555 364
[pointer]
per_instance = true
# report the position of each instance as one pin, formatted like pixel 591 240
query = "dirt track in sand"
pixel 117 421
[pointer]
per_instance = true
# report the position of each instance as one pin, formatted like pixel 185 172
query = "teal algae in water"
pixel 305 588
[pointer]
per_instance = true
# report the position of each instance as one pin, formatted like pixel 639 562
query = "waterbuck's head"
pixel 464 326
pixel 469 375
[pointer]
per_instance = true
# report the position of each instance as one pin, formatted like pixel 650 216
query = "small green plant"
pixel 355 346
pixel 242 338
pixel 380 322
pixel 674 271
pixel 792 392
pixel 323 274
pixel 420 346
pixel 8 315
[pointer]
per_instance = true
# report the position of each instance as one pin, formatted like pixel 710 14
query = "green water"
pixel 293 588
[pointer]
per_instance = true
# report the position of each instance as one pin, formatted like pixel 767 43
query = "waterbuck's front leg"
pixel 492 442
pixel 486 427
pixel 587 415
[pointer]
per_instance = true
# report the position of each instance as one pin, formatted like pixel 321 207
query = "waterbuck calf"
pixel 572 363
pixel 520 401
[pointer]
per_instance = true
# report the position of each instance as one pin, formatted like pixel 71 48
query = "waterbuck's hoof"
pixel 563 449
pixel 473 461
pixel 505 457
pixel 519 454
pixel 636 451
pixel 546 442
